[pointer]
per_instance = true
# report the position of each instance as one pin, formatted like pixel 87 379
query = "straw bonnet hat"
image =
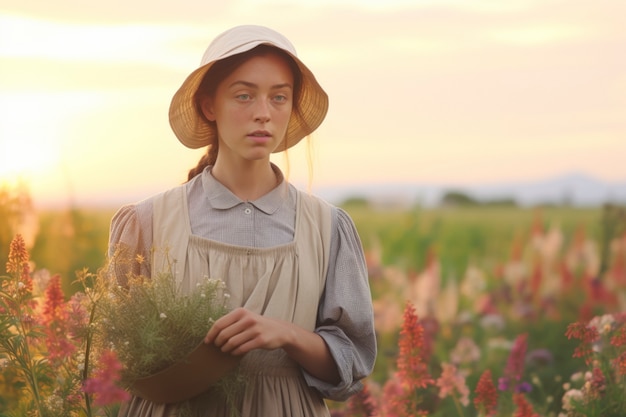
pixel 194 131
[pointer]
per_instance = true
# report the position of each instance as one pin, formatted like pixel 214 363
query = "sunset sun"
pixel 29 139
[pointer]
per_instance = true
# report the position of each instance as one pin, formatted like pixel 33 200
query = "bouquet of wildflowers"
pixel 153 326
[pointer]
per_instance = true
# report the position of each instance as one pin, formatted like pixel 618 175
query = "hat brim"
pixel 193 130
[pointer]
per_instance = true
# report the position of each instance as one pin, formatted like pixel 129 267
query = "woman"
pixel 293 264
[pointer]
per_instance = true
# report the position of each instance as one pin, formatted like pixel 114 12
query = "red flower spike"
pixel 104 382
pixel 362 404
pixel 18 255
pixel 515 363
pixel 54 304
pixel 486 398
pixel 524 409
pixel 620 364
pixel 18 263
pixel 587 335
pixel 412 368
pixel 619 337
pixel 55 317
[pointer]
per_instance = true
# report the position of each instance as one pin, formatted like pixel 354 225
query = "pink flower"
pixel 78 316
pixel 514 365
pixel 524 409
pixel 54 304
pixel 400 393
pixel 393 404
pixel 412 368
pixel 465 352
pixel 452 381
pixel 620 363
pixel 362 404
pixel 588 335
pixel 103 384
pixel 596 383
pixel 55 317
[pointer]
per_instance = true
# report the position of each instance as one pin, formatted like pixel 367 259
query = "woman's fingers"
pixel 242 331
pixel 221 324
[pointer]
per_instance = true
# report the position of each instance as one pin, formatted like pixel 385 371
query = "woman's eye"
pixel 244 97
pixel 280 98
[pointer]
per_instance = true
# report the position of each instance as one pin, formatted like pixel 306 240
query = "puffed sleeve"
pixel 130 240
pixel 345 316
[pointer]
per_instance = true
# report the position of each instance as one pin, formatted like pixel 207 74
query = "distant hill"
pixel 574 189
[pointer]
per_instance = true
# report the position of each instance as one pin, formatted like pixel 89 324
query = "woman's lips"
pixel 260 137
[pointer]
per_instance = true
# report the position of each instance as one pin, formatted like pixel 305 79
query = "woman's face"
pixel 252 108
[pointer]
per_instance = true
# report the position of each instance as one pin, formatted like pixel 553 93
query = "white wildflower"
pixel 494 322
pixel 20 285
pixel 54 403
pixel 163 315
pixel 577 376
pixel 603 324
pixel 499 343
pixel 573 394
pixel 466 351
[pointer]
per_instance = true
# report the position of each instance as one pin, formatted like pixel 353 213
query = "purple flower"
pixel 503 384
pixel 539 357
pixel 523 387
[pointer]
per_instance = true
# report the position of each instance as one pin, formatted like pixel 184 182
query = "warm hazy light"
pixel 421 91
pixel 29 142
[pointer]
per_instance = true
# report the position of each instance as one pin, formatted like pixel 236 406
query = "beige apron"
pixel 283 282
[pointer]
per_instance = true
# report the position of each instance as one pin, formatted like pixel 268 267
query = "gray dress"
pixel 287 255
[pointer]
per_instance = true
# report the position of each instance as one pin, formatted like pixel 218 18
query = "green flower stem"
pixel 457 404
pixel 28 368
pixel 87 355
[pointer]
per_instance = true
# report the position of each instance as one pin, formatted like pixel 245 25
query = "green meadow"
pixel 69 240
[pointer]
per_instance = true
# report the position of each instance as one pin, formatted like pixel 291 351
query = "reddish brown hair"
pixel 218 73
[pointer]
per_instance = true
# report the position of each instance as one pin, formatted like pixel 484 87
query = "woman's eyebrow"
pixel 253 85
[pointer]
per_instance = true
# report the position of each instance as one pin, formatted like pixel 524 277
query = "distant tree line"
pixel 452 198
pixel 460 199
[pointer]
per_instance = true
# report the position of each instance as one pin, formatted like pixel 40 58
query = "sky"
pixel 457 92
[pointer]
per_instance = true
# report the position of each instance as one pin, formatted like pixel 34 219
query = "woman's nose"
pixel 262 111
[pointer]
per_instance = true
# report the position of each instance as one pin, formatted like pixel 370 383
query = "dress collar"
pixel 221 198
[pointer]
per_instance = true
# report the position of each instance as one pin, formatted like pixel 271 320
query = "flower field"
pixel 534 327
pixel 479 312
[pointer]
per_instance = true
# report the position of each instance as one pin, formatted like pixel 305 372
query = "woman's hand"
pixel 241 331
